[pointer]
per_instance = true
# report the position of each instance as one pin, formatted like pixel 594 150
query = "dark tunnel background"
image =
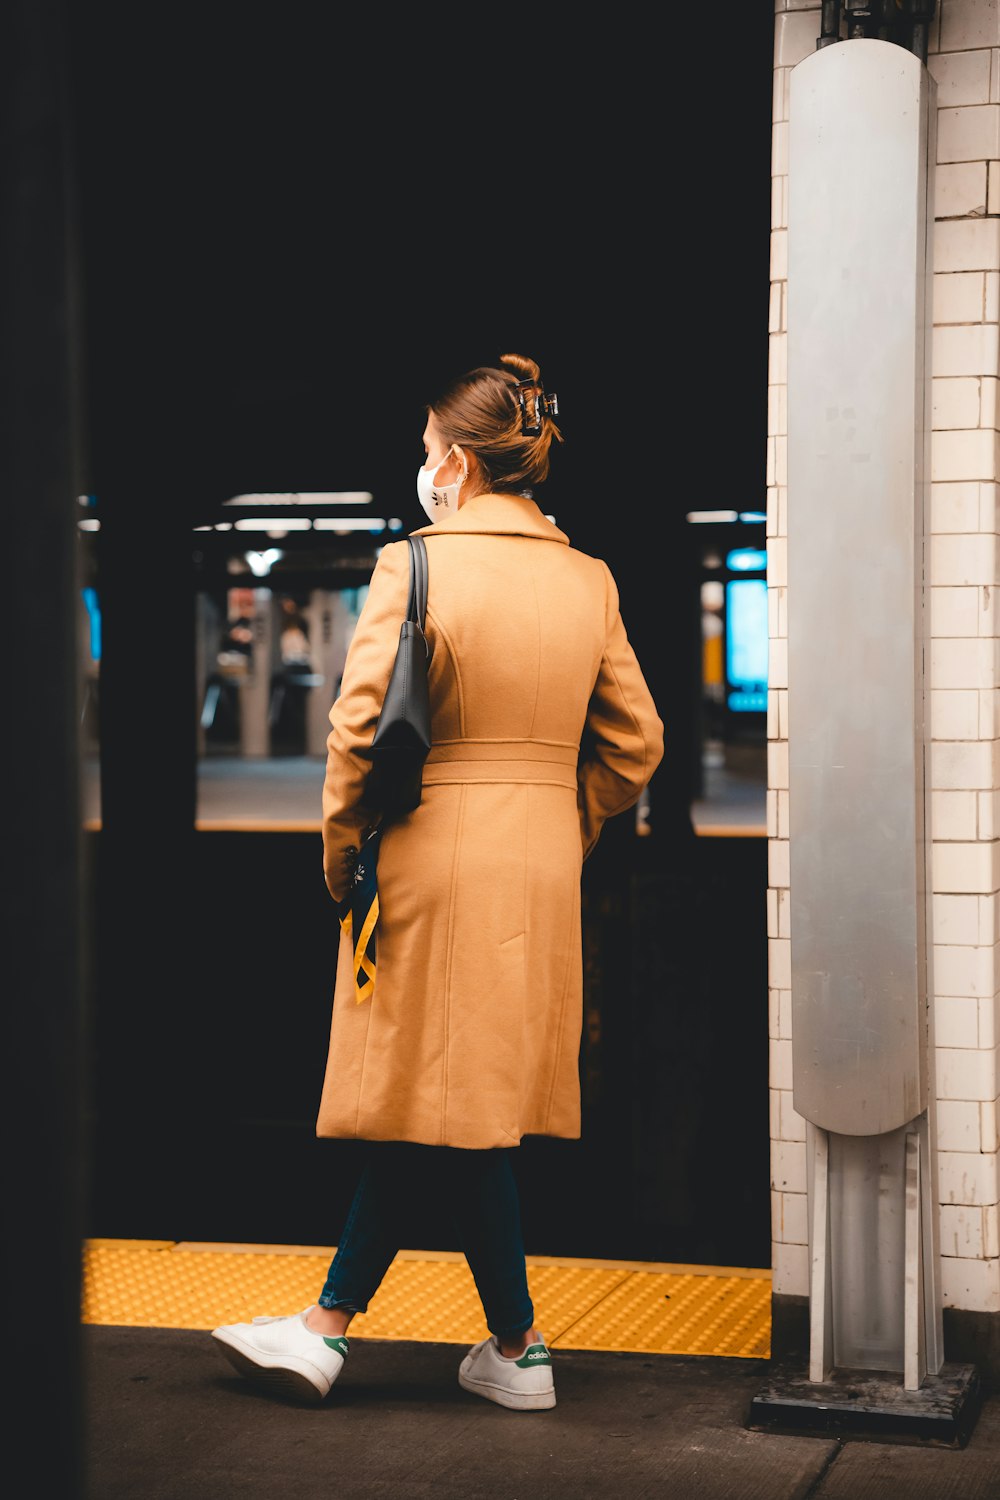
pixel 291 235
pixel 291 229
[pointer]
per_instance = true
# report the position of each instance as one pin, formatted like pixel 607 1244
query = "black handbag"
pixel 403 732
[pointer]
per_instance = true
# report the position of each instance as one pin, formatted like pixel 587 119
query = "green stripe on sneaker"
pixel 535 1354
pixel 340 1344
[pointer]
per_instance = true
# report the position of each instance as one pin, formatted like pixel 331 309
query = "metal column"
pixel 861 160
pixel 255 691
pixel 330 628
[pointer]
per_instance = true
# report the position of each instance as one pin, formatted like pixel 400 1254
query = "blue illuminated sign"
pixel 746 560
pixel 94 612
pixel 747 644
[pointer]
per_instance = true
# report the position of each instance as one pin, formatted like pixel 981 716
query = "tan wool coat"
pixel 543 727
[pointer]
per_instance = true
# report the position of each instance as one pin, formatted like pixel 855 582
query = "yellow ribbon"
pixel 363 990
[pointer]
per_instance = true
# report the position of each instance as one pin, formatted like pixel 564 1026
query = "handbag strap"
pixel 416 604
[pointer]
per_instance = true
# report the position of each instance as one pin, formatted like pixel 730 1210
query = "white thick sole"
pixel 286 1374
pixel 504 1396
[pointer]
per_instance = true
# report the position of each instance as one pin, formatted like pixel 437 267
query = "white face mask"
pixel 438 500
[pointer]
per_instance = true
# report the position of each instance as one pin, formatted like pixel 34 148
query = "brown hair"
pixel 481 411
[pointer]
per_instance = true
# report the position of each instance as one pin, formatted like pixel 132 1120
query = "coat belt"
pixel 469 760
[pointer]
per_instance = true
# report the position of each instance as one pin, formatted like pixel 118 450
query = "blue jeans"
pixel 480 1191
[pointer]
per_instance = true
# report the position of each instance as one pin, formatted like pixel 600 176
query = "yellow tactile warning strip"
pixel 313 825
pixel 238 825
pixel 733 831
pixel 430 1296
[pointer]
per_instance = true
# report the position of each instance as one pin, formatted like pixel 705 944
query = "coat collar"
pixel 510 515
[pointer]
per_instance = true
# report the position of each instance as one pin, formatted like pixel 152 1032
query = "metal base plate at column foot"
pixel 872 1404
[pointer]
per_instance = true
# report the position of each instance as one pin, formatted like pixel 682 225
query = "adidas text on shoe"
pixel 284 1354
pixel 523 1384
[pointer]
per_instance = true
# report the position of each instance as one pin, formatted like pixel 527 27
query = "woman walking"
pixel 543 727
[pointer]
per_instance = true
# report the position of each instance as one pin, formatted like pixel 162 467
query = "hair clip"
pixel 540 403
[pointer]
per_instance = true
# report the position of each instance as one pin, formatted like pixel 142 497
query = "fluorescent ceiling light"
pixel 305 497
pixel 347 523
pixel 711 515
pixel 753 515
pixel 89 525
pixel 273 523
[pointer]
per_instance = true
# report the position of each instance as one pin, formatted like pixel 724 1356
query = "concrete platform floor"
pixel 284 793
pixel 168 1419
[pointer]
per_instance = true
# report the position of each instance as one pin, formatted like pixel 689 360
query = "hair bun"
pixel 522 367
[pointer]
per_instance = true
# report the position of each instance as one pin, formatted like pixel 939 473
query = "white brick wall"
pixel 964 670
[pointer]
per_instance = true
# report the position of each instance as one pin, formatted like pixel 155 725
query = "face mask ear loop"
pixel 463 472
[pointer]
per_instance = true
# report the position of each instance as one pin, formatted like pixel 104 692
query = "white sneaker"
pixel 525 1383
pixel 285 1353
